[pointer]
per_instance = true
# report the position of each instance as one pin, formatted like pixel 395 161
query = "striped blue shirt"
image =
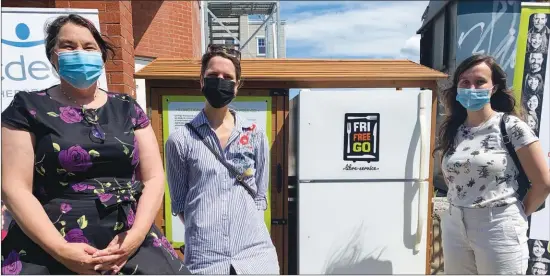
pixel 224 225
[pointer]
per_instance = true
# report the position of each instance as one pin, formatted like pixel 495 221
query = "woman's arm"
pixel 534 164
pixel 17 178
pixel 152 174
pixel 176 171
pixel 262 176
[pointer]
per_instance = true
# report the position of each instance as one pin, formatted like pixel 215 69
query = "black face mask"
pixel 218 92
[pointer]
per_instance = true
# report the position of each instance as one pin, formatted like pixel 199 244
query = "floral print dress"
pixel 87 186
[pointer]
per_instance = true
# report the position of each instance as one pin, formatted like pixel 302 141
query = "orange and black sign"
pixel 362 137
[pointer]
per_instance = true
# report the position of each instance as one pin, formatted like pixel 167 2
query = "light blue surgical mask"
pixel 80 68
pixel 473 99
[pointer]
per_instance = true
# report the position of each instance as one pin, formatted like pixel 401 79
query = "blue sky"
pixel 352 29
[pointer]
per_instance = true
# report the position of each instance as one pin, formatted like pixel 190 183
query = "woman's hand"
pixel 77 257
pixel 116 254
pixel 534 163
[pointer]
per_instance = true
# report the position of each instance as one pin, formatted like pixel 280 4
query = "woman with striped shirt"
pixel 217 169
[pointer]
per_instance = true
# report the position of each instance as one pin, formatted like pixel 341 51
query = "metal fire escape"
pixel 223 23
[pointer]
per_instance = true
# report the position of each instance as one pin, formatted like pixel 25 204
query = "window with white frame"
pixel 260 46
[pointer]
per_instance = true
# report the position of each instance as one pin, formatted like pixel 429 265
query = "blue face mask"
pixel 473 99
pixel 80 68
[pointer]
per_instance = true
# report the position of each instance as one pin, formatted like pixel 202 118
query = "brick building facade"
pixel 148 29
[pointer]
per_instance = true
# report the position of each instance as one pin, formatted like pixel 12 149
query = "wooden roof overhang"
pixel 301 73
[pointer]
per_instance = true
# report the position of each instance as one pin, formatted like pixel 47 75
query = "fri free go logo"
pixel 362 137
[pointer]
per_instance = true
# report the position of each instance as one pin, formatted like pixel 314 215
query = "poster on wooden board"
pixel 179 110
pixel 532 90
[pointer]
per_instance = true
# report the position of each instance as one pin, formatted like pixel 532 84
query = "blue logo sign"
pixel 22 32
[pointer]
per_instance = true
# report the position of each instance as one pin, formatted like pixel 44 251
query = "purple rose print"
pixel 75 159
pixel 135 155
pixel 70 115
pixel 141 119
pixel 41 93
pixel 156 242
pixel 32 112
pixel 166 244
pixel 105 197
pixel 12 264
pixel 65 208
pixel 131 217
pixel 134 121
pixel 79 187
pixel 75 236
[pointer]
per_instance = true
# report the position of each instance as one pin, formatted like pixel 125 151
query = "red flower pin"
pixel 244 140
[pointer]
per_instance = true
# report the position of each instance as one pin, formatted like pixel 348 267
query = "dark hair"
pixel 224 54
pixel 528 95
pixel 502 100
pixel 53 28
pixel 537 76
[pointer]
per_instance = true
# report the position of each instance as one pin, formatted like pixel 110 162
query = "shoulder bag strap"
pixel 222 160
pixel 523 180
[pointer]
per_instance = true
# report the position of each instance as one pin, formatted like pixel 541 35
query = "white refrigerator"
pixel 361 162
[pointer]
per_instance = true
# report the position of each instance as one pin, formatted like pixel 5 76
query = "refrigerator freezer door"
pixel 370 134
pixel 361 228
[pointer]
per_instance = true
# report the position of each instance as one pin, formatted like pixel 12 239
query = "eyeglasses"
pixel 96 133
pixel 214 48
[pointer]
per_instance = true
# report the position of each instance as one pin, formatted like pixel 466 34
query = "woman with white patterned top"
pixel 485 229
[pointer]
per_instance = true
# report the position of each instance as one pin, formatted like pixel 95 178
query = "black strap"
pixel 223 161
pixel 523 181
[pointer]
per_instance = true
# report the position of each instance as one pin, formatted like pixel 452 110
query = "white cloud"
pixel 348 28
pixel 411 49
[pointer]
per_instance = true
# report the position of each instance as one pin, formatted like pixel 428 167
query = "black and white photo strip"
pixel 536 58
pixel 539 258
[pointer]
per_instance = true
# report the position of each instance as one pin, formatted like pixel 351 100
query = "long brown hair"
pixel 502 100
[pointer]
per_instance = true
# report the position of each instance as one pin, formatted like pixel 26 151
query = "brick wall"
pixel 197 51
pixel 115 18
pixel 167 28
pixel 28 4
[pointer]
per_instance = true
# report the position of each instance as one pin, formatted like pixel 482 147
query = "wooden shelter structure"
pixel 273 78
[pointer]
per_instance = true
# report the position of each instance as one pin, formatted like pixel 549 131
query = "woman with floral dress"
pixel 81 171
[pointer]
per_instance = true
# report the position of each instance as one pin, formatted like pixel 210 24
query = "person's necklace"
pixel 83 106
pixel 90 115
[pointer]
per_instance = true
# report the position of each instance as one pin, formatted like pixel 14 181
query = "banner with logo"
pixel 25 66
pixel 532 88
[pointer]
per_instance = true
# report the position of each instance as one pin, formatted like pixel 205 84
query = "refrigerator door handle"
pixel 424 140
